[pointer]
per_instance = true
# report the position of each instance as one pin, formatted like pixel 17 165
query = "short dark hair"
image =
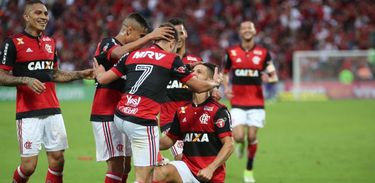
pixel 31 2
pixel 176 21
pixel 140 20
pixel 211 68
pixel 175 33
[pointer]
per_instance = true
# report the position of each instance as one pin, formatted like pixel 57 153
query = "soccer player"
pixel 205 127
pixel 178 93
pixel 112 145
pixel 248 63
pixel 148 72
pixel 31 58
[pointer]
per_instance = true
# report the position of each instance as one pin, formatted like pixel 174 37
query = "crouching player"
pixel 204 125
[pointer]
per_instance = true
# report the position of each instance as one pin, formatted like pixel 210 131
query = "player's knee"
pixel 28 167
pixel 239 138
pixel 252 139
pixel 159 174
pixel 56 160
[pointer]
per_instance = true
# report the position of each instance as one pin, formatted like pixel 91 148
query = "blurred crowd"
pixel 283 26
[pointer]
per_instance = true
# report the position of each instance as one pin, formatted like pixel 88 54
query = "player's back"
pixel 148 72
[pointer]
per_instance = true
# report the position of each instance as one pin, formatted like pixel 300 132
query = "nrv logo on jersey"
pixel 132 101
pixel 246 73
pixel 196 137
pixel 149 54
pixel 40 65
pixel 176 84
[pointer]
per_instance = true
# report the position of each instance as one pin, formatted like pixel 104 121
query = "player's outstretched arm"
pixel 7 79
pixel 67 76
pixel 199 86
pixel 102 76
pixel 205 174
pixel 158 33
pixel 227 89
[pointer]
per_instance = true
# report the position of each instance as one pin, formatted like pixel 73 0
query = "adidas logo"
pixel 29 50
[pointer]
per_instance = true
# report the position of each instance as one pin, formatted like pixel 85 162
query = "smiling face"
pixel 247 30
pixel 36 17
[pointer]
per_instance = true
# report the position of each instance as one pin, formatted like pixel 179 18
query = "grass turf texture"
pixel 325 142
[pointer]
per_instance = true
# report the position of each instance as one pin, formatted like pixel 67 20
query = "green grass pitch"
pixel 303 142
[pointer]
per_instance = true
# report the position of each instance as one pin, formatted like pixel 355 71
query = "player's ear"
pixel 25 17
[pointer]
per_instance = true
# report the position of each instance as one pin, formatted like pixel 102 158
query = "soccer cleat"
pixel 248 176
pixel 239 150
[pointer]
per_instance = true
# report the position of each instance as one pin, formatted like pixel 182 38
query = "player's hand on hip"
pixel 35 85
pixel 162 33
pixel 205 174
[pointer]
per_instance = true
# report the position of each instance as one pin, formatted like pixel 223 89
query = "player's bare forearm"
pixel 7 79
pixel 223 154
pixel 166 142
pixel 226 81
pixel 66 76
pixel 272 77
pixel 118 52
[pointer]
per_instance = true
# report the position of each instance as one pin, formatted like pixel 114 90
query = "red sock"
pixel 112 178
pixel 124 177
pixel 19 176
pixel 54 176
pixel 252 149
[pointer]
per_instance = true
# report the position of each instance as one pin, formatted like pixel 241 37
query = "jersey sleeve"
pixel 267 60
pixel 180 70
pixel 104 50
pixel 223 123
pixel 227 63
pixel 175 131
pixel 119 69
pixel 8 54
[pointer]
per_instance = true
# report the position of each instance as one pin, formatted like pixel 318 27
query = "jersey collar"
pixel 31 36
pixel 203 103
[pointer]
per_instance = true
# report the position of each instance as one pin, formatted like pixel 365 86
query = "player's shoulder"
pixel 259 48
pixel 217 104
pixel 108 40
pixel 234 47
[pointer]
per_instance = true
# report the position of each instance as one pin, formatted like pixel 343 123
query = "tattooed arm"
pixel 10 80
pixel 65 76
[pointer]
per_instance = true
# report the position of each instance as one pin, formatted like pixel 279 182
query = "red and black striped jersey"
pixel 201 127
pixel 106 96
pixel 26 55
pixel 148 72
pixel 177 94
pixel 246 67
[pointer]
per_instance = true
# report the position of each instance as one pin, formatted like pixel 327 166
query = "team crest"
pixel 20 41
pixel 120 147
pixel 27 145
pixel 256 60
pixel 48 48
pixel 204 118
pixel 220 123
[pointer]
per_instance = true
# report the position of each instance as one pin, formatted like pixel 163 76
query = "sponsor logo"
pixel 40 65
pixel 182 110
pixel 256 60
pixel 46 39
pixel 128 110
pixel 184 120
pixel 208 108
pixel 132 101
pixel 120 147
pixel 193 59
pixel 48 48
pixel 204 118
pixel 29 50
pixel 105 47
pixel 233 53
pixel 238 60
pixel 257 52
pixel 20 41
pixel 220 123
pixel 246 73
pixel 149 54
pixel 196 137
pixel 176 84
pixel 27 145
